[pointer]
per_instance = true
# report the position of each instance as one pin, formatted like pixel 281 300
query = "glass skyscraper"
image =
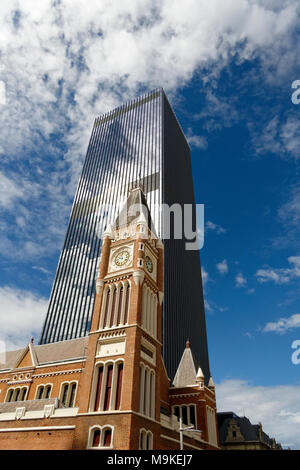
pixel 139 143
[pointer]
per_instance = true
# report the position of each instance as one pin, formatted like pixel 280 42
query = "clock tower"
pixel 122 378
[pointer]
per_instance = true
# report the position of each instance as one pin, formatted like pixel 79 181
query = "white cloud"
pixel 9 191
pixel 21 316
pixel 205 276
pixel 283 325
pixel 212 226
pixel 277 407
pixel 2 93
pixel 280 138
pixel 240 280
pixel 63 64
pixel 280 275
pixel 196 141
pixel 222 267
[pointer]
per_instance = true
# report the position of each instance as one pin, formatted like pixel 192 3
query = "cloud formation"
pixel 280 418
pixel 240 280
pixel 21 316
pixel 283 325
pixel 280 275
pixel 62 64
pixel 222 267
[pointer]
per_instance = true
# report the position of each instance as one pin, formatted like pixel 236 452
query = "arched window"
pixel 147 391
pixel 23 394
pixel 96 438
pixel 149 311
pixel 16 394
pixel 40 392
pixel 9 395
pixel 107 390
pixel 108 387
pixel 47 391
pixel 187 413
pixel 115 305
pixel 106 437
pixel 98 387
pixel 101 437
pixel 146 440
pixel 67 394
pixel 127 298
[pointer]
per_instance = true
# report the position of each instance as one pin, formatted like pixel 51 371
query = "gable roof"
pixel 47 353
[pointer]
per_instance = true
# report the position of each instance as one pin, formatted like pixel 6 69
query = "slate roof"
pixel 48 353
pixel 249 431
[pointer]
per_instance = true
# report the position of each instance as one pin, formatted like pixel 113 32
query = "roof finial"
pixel 32 340
pixel 187 343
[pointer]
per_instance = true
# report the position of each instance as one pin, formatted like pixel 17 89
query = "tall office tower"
pixel 138 144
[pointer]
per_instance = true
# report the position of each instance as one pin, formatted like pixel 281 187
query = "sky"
pixel 228 70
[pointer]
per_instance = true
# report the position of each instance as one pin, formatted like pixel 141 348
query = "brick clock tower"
pixel 110 390
pixel 124 351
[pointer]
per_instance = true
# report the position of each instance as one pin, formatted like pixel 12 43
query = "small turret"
pixel 200 377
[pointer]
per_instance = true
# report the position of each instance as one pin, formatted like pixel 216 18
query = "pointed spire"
pixel 109 232
pixel 186 372
pixel 211 383
pixel 187 344
pixel 135 211
pixel 200 376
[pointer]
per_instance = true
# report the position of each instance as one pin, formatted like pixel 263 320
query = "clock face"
pixel 122 258
pixel 149 264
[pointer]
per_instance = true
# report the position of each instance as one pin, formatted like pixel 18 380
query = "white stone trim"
pixel 39 428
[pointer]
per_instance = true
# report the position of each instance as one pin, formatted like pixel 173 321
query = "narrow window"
pixel 9 395
pixel 47 391
pixel 72 394
pixel 40 393
pixel 106 309
pixel 184 415
pixel 65 394
pixel 192 415
pixel 141 440
pixel 108 387
pixel 22 394
pixel 119 386
pixel 145 390
pixel 127 304
pixel 17 394
pixel 120 306
pixel 107 438
pixel 113 308
pixel 99 385
pixel 96 438
pixel 177 411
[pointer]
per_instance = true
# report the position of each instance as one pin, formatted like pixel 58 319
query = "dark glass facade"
pixel 140 142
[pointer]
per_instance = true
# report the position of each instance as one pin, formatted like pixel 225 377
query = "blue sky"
pixel 227 68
